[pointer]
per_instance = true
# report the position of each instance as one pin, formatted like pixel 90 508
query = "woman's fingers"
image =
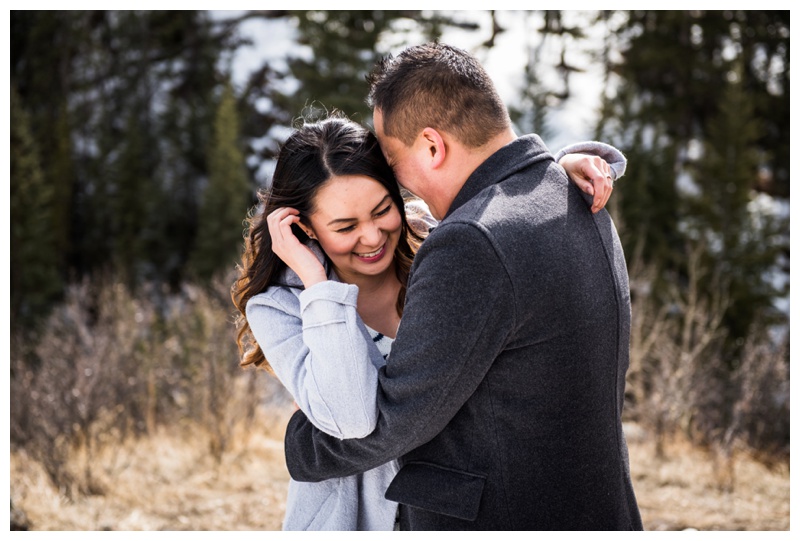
pixel 288 247
pixel 592 175
pixel 278 229
pixel 600 174
pixel 286 226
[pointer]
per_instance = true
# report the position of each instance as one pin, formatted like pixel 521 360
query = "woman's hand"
pixel 592 175
pixel 295 254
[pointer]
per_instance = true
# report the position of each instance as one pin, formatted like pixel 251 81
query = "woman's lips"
pixel 371 257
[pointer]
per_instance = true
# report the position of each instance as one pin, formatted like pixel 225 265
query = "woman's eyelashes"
pixel 378 214
pixel 346 229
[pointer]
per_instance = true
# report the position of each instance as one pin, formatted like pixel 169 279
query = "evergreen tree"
pixel 134 190
pixel 742 243
pixel 195 45
pixel 43 47
pixel 122 105
pixel 697 156
pixel 35 279
pixel 343 50
pixel 345 45
pixel 647 202
pixel 549 32
pixel 227 197
pixel 530 114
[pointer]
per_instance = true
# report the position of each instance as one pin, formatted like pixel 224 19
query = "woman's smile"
pixel 371 257
pixel 358 226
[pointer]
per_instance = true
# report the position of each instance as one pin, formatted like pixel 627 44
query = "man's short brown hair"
pixel 438 86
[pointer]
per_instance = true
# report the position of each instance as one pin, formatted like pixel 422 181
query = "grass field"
pixel 170 482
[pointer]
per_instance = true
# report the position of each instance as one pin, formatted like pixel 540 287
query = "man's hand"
pixel 592 175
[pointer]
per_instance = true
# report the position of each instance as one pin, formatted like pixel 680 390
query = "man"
pixel 503 392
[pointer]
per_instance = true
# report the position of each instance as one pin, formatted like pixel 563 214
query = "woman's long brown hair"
pixel 307 160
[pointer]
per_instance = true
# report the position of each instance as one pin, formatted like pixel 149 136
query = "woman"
pixel 321 291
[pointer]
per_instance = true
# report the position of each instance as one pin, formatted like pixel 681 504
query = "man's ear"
pixel 436 149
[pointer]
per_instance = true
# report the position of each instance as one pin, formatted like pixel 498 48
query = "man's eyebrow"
pixel 340 220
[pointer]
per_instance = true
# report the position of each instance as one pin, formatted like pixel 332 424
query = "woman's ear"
pixel 435 147
pixel 307 230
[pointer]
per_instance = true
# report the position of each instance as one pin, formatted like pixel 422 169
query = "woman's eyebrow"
pixel 387 196
pixel 338 220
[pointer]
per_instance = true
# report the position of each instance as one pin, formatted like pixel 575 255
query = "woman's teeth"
pixel 371 254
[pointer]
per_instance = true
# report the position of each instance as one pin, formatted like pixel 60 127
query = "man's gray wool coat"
pixel 504 390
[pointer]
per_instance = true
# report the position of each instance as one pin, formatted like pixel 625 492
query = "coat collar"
pixel 510 159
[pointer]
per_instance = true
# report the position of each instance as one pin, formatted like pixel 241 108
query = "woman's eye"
pixel 384 211
pixel 346 229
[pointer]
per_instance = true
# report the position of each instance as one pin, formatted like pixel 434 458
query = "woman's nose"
pixel 371 236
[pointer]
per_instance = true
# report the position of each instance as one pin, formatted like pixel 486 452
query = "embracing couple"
pixel 496 403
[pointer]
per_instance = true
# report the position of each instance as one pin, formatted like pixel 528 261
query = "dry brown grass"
pixel 690 488
pixel 171 482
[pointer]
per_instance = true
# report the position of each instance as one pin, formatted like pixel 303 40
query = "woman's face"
pixel 357 224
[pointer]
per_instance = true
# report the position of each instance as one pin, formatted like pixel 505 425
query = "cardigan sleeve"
pixel 447 341
pixel 419 217
pixel 322 353
pixel 616 160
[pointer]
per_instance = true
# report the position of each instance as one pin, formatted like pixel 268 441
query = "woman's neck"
pixel 377 299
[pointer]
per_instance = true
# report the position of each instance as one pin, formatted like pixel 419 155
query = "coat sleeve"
pixel 455 323
pixel 322 353
pixel 616 160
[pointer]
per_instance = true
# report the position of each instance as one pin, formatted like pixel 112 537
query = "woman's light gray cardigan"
pixel 324 355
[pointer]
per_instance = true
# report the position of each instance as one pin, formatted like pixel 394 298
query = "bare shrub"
pixel 673 340
pixel 108 365
pixel 760 413
pixel 84 389
pixel 680 382
pixel 200 346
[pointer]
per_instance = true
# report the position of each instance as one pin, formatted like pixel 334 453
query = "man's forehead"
pixel 383 141
pixel 377 121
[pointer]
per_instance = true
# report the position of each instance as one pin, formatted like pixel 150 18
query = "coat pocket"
pixel 438 489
